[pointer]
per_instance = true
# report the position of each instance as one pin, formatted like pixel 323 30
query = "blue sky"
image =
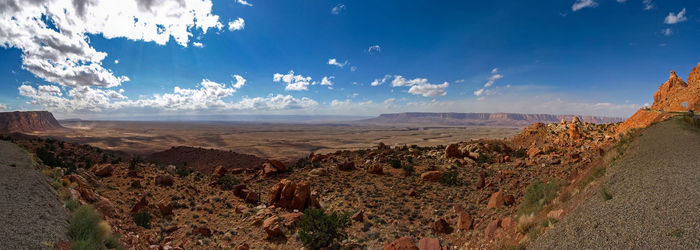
pixel 591 57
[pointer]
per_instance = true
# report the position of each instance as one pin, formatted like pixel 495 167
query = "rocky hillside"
pixel 466 195
pixel 674 95
pixel 480 119
pixel 27 121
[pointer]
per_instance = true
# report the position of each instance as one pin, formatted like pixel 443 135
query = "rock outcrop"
pixel 27 121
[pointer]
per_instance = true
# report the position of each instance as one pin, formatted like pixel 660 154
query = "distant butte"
pixel 27 121
pixel 480 119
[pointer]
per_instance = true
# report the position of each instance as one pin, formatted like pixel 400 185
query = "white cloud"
pixel 273 102
pixel 237 24
pixel 244 2
pixel 419 86
pixel 676 18
pixel 116 61
pixel 240 81
pixel 492 79
pixel 337 9
pixel 580 4
pixel 3 107
pixel 294 82
pixel 326 81
pixel 648 4
pixel 374 49
pixel 335 62
pixel 198 44
pixel 427 89
pixel 52 35
pixel 667 31
pixel 380 81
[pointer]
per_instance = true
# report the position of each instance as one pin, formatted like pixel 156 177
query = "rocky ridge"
pixel 27 121
pixel 480 119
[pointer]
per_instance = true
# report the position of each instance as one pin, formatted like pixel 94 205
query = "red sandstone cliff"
pixel 27 121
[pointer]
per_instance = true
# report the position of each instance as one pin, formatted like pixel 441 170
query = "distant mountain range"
pixel 479 119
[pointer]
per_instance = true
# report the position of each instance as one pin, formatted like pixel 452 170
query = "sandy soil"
pixel 262 139
pixel 655 191
pixel 30 213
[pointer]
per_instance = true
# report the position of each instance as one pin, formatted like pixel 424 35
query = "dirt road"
pixel 655 203
pixel 31 217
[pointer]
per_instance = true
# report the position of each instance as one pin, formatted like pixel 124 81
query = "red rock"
pixel 507 223
pixel 164 180
pixel 166 208
pixel 496 200
pixel 431 176
pixel 347 166
pixel 555 214
pixel 252 197
pixel 268 169
pixel 274 194
pixel 290 219
pixel 278 165
pixel 103 170
pixel 509 200
pixel 143 203
pixel 574 132
pixel 491 228
pixel 452 151
pixel 506 158
pixel 441 226
pixel 238 191
pixel 243 246
pixel 301 195
pixel 272 227
pixel 106 208
pixel 403 243
pixel 480 183
pixel 534 152
pixel 375 169
pixel 464 221
pixel 202 231
pixel 359 216
pixel 429 244
pixel 219 171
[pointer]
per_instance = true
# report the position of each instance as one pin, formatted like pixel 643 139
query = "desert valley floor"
pixel 267 140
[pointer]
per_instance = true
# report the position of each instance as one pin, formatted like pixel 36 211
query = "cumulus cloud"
pixel 374 49
pixel 240 81
pixel 418 86
pixel 198 44
pixel 116 61
pixel 337 9
pixel 244 2
pixel 52 35
pixel 335 62
pixel 676 18
pixel 237 24
pixel 580 4
pixel 326 81
pixel 294 82
pixel 492 79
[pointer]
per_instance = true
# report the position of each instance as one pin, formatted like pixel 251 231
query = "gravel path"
pixel 31 217
pixel 655 203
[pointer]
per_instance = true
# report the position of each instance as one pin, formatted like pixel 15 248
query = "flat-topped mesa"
pixel 27 121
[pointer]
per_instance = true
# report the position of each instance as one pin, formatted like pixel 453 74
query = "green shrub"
pixel 72 205
pixel 143 219
pixel 537 195
pixel 520 153
pixel 318 229
pixel 450 178
pixel 228 182
pixel 182 171
pixel 395 163
pixel 83 226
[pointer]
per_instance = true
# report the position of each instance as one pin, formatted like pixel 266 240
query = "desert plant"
pixel 182 171
pixel 450 178
pixel 318 229
pixel 143 219
pixel 72 205
pixel 395 163
pixel 537 195
pixel 88 231
pixel 228 182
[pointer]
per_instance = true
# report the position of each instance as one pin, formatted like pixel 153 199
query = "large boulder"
pixel 452 151
pixel 103 170
pixel 272 227
pixel 291 195
pixel 429 244
pixel 301 195
pixel 496 200
pixel 464 220
pixel 440 226
pixel 219 171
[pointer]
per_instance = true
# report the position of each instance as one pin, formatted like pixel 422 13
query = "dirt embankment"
pixel 653 198
pixel 30 213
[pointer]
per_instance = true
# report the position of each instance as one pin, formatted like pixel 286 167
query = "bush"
pixel 395 163
pixel 72 205
pixel 182 171
pixel 450 178
pixel 143 219
pixel 537 195
pixel 228 182
pixel 88 231
pixel 318 229
pixel 520 153
pixel 483 159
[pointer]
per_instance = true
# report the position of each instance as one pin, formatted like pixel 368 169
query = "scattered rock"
pixel 219 171
pixel 278 165
pixel 202 231
pixel 452 151
pixel 431 176
pixel 507 223
pixel 272 227
pixel 464 221
pixel 375 169
pixel 290 219
pixel 497 200
pixel 359 216
pixel 166 208
pixel 347 166
pixel 441 226
pixel 106 208
pixel 164 180
pixel 534 152
pixel 491 228
pixel 403 243
pixel 103 170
